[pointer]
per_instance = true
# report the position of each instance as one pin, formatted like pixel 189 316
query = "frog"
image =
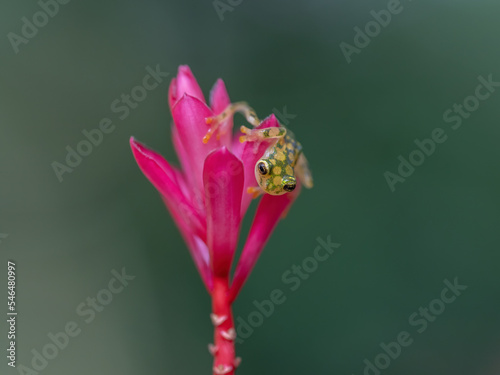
pixel 283 161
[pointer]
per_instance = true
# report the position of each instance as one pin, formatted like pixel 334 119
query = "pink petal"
pixel 197 248
pixel 185 161
pixel 270 210
pixel 168 182
pixel 250 155
pixel 189 119
pixel 219 100
pixel 223 181
pixel 184 83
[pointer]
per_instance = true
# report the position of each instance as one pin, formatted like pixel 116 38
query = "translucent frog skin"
pixel 283 161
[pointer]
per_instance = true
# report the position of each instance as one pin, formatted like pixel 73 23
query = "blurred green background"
pixel 353 119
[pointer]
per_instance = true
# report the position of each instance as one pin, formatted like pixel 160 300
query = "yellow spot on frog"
pixel 277 170
pixel 272 161
pixel 277 180
pixel 289 170
pixel 280 156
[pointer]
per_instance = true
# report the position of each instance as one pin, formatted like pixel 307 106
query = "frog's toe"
pixel 255 191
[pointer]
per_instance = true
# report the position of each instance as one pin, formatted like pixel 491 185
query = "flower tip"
pixel 219 156
pixel 136 145
pixel 269 122
pixel 219 98
pixel 133 142
pixel 272 117
pixel 138 149
pixel 218 89
pixel 183 83
pixel 184 69
pixel 222 151
pixel 184 72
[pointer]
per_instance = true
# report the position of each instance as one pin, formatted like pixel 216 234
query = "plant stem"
pixel 222 317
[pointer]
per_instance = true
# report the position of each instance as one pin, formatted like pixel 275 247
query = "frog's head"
pixel 275 179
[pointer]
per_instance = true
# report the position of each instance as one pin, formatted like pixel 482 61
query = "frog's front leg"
pixel 252 135
pixel 255 191
pixel 303 172
pixel 257 135
pixel 241 107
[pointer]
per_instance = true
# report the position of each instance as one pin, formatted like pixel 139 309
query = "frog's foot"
pixel 214 123
pixel 231 109
pixel 255 191
pixel 252 135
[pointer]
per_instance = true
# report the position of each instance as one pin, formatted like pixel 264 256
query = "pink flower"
pixel 208 197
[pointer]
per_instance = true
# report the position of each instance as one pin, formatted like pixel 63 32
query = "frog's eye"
pixel 263 167
pixel 289 187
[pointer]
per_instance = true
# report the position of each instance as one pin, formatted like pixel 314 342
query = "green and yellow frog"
pixel 281 163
